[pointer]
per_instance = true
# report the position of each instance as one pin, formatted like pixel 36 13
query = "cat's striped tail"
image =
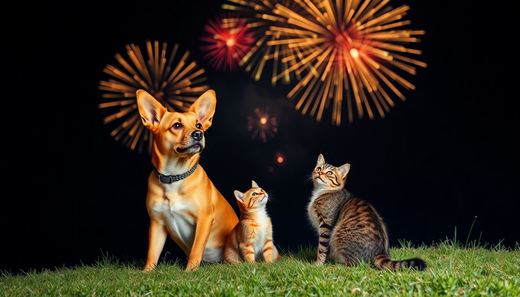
pixel 383 261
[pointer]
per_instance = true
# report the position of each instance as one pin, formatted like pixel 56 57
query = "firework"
pixel 262 125
pixel 228 40
pixel 347 48
pixel 260 17
pixel 171 79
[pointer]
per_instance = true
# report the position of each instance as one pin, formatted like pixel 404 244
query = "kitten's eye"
pixel 329 172
pixel 318 169
pixel 255 193
pixel 177 126
pixel 199 126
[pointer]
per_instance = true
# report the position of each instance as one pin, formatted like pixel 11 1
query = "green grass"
pixel 454 269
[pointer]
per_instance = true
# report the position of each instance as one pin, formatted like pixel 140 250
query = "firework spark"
pixel 262 125
pixel 174 81
pixel 346 48
pixel 260 17
pixel 228 40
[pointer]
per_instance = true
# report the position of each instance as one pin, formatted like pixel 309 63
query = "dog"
pixel 181 200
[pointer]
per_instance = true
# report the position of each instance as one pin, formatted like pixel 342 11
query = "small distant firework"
pixel 228 40
pixel 279 158
pixel 176 86
pixel 346 46
pixel 262 125
pixel 260 17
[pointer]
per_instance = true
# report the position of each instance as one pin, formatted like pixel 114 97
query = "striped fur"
pixel 349 229
pixel 252 237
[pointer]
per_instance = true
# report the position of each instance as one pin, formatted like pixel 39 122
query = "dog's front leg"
pixel 156 238
pixel 204 223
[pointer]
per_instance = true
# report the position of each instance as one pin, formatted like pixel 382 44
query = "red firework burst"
pixel 228 40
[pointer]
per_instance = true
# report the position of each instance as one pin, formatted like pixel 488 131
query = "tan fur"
pixel 197 217
pixel 252 237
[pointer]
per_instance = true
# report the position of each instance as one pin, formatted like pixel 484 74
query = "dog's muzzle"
pixel 195 145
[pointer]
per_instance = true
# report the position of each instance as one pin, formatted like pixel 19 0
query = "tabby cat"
pixel 348 227
pixel 252 237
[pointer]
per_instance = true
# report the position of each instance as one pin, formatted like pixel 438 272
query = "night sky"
pixel 446 155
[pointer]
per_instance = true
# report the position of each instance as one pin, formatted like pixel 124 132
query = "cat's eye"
pixel 199 126
pixel 255 193
pixel 329 172
pixel 177 126
pixel 318 169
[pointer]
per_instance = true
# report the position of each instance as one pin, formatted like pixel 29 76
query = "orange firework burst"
pixel 176 86
pixel 262 125
pixel 260 17
pixel 228 40
pixel 347 46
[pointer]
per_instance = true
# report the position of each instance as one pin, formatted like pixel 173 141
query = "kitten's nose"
pixel 197 135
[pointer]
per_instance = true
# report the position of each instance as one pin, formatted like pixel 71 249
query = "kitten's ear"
pixel 343 170
pixel 204 107
pixel 254 184
pixel 321 160
pixel 150 109
pixel 240 196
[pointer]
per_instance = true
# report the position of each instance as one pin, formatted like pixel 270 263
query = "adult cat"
pixel 348 227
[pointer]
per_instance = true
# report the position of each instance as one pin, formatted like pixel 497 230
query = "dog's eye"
pixel 199 126
pixel 177 126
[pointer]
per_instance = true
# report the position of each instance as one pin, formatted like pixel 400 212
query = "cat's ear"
pixel 254 184
pixel 343 170
pixel 240 196
pixel 321 160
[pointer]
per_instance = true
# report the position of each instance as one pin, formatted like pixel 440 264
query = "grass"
pixel 454 269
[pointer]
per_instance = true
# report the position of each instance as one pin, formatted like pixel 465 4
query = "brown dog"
pixel 182 200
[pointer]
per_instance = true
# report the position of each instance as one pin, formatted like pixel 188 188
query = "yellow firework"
pixel 170 78
pixel 260 16
pixel 347 47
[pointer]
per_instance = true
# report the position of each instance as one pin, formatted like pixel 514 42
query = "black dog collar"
pixel 168 179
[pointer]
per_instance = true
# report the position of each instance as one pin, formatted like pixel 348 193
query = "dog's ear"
pixel 204 107
pixel 150 109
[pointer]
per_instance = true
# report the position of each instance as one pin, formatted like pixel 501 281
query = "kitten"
pixel 252 237
pixel 348 227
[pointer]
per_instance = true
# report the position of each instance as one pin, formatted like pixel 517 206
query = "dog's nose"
pixel 197 135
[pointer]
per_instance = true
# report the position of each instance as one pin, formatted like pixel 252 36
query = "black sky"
pixel 445 155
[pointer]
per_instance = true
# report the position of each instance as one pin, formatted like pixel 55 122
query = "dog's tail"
pixel 383 261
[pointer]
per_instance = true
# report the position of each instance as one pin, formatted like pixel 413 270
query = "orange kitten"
pixel 252 237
